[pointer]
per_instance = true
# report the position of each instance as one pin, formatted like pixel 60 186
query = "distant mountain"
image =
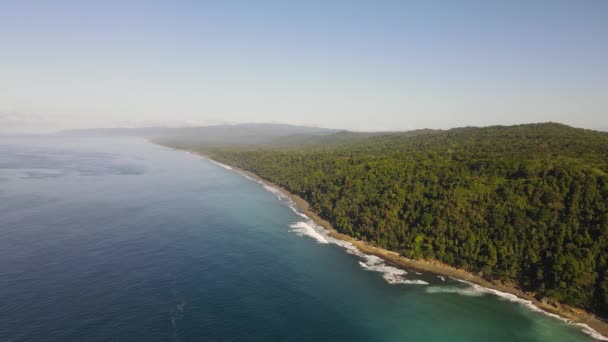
pixel 252 133
pixel 131 132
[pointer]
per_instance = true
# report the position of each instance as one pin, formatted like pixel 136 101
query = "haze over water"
pixel 123 240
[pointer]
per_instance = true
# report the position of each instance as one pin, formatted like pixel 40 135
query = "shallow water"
pixel 122 240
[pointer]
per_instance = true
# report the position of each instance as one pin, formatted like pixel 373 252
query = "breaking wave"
pixel 391 274
pixel 227 167
pixel 305 229
pixel 280 195
pixel 309 228
pixel 475 290
pixel 220 164
pixel 470 292
pixel 394 275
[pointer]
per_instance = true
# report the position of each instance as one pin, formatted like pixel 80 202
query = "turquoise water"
pixel 122 240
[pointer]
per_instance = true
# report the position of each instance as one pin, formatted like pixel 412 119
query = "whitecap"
pixel 305 229
pixel 391 274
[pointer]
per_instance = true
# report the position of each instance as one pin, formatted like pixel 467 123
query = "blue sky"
pixel 362 65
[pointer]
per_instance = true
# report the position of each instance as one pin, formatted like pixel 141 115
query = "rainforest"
pixel 525 204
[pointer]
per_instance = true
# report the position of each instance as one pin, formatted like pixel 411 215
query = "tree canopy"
pixel 526 204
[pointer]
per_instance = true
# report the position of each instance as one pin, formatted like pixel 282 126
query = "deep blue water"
pixel 123 240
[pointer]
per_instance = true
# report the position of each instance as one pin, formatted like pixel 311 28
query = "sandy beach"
pixel 588 322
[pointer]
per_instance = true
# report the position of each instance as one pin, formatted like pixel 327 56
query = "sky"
pixel 359 65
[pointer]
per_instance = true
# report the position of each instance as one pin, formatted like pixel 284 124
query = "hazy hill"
pixel 219 134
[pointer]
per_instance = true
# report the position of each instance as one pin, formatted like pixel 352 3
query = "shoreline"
pixel 590 324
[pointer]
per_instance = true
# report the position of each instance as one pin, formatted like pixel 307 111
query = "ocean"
pixel 118 239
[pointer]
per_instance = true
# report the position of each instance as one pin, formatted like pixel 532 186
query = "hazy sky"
pixel 363 65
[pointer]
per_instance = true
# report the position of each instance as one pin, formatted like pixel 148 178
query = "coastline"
pixel 586 321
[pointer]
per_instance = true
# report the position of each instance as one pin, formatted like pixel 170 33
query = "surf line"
pixel 392 275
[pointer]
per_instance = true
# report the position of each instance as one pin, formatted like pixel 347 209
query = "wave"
pixel 227 167
pixel 309 228
pixel 477 290
pixel 391 274
pixel 375 264
pixel 469 292
pixel 220 164
pixel 277 192
pixel 394 275
pixel 305 229
pixel 413 282
pixel 380 266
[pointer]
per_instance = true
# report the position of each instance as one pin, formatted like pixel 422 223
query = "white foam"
pixel 527 303
pixel 305 229
pixel 470 292
pixel 391 274
pixel 590 331
pixel 227 167
pixel 372 260
pixel 373 263
pixel 219 164
pixel 318 233
pixel 273 190
pixel 382 268
pixel 292 206
pixel 247 176
pixel 441 277
pixel 413 282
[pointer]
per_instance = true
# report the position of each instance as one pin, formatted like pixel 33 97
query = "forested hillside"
pixel 525 204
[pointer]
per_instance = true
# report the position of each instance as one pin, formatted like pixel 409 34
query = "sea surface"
pixel 123 240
